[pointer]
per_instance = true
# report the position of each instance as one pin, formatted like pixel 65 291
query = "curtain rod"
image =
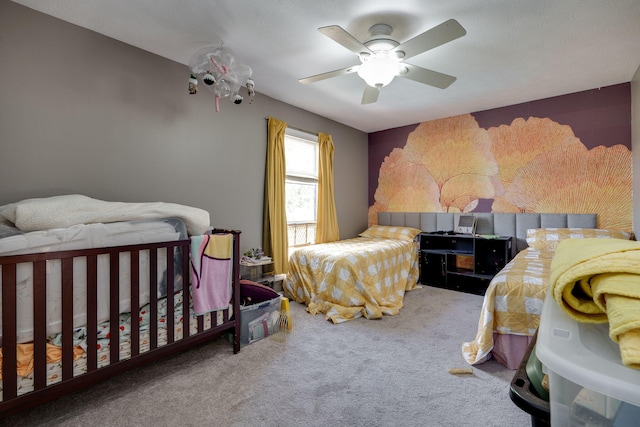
pixel 298 129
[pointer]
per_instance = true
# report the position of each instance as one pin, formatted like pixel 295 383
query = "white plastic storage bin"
pixel 260 313
pixel 588 384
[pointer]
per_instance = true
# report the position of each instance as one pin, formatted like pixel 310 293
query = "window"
pixel 301 187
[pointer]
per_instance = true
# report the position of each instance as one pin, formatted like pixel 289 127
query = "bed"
pixel 365 276
pixel 513 302
pixel 68 283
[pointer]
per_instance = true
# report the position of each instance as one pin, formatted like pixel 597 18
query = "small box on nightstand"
pixel 260 271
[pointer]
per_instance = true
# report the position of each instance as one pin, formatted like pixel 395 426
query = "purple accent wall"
pixel 598 116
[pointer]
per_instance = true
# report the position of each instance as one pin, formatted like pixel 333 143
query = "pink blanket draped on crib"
pixel 211 270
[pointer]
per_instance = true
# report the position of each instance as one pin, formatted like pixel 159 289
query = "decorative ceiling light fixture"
pixel 381 65
pixel 379 69
pixel 382 58
pixel 217 68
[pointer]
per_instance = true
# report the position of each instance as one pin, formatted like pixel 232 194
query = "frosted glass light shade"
pixel 379 69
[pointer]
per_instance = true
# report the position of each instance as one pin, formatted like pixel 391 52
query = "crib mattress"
pixel 86 236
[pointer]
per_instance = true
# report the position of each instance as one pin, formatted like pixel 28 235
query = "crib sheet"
pixel 85 236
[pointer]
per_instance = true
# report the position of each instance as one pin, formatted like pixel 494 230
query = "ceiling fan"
pixel 382 58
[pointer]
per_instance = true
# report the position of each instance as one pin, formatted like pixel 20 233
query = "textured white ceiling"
pixel 514 51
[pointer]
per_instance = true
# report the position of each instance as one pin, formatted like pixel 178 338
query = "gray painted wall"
pixel 83 113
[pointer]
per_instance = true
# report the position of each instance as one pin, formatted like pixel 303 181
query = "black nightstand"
pixel 462 262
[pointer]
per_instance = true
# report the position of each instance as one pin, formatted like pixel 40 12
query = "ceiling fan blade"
pixel 438 35
pixel 370 94
pixel 428 77
pixel 341 36
pixel 335 73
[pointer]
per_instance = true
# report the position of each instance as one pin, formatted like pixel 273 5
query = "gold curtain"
pixel 274 233
pixel 327 225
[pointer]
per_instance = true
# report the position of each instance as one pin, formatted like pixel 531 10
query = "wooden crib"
pixel 163 326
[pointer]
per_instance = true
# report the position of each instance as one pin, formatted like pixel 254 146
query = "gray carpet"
pixel 388 372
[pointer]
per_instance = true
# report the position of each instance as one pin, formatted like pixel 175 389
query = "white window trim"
pixel 302 177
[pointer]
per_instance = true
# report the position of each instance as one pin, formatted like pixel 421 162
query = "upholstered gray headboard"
pixel 504 224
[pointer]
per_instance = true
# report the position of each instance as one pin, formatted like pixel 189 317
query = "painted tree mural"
pixel 446 166
pixel 532 165
pixel 577 180
pixel 516 145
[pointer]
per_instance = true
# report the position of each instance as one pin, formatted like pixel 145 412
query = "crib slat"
pixel 135 302
pixel 153 299
pixel 9 358
pixel 67 318
pixel 225 315
pixel 92 312
pixel 170 292
pixel 236 292
pixel 186 274
pixel 39 324
pixel 200 323
pixel 114 307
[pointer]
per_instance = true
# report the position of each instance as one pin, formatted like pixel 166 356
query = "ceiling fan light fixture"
pixel 382 57
pixel 379 69
pixel 381 45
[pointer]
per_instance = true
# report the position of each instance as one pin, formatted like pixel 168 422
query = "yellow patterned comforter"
pixel 353 278
pixel 512 303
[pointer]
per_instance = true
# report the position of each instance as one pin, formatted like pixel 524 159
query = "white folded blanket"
pixel 67 210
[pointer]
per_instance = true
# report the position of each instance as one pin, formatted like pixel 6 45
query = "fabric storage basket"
pixel 259 313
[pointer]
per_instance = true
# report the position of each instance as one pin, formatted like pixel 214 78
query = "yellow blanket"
pixel 353 278
pixel 24 357
pixel 598 281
